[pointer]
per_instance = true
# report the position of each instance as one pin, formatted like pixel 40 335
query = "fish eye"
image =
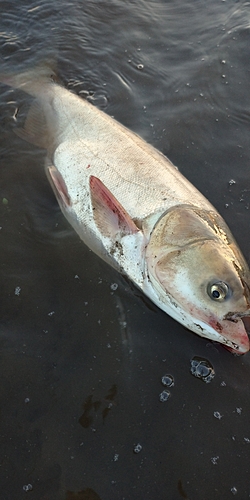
pixel 218 291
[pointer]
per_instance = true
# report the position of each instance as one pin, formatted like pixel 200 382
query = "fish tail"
pixel 38 82
pixel 31 80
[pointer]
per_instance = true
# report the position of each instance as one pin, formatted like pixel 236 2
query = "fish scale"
pixel 127 170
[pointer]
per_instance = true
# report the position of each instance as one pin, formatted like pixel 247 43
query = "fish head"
pixel 197 270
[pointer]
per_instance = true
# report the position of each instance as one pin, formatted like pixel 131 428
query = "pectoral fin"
pixel 109 215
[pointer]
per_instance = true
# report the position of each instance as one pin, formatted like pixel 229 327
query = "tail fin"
pixel 32 80
pixel 39 124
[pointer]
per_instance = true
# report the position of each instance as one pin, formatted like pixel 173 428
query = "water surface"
pixel 82 359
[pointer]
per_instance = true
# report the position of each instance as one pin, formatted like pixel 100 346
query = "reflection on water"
pixel 91 406
pixel 80 387
pixel 87 494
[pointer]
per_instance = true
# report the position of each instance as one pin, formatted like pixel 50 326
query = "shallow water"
pixel 82 360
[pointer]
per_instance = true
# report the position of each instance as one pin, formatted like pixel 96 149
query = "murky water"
pixel 82 360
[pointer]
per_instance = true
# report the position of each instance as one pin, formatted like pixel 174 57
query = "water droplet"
pixel 231 182
pixel 168 380
pixel 214 460
pixel 114 286
pixel 247 440
pixel 234 490
pixel 28 487
pixel 164 396
pixel 202 368
pixel 17 290
pixel 137 448
pixel 5 201
pixel 115 457
pixel 239 411
pixel 218 415
pixel 140 66
pixel 27 400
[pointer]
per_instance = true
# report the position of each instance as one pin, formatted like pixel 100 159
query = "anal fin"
pixel 35 128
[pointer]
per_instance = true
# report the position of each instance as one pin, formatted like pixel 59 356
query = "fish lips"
pixel 234 333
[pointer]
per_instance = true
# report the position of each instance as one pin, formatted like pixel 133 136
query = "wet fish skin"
pixel 133 208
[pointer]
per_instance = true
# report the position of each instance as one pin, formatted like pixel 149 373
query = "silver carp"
pixel 135 210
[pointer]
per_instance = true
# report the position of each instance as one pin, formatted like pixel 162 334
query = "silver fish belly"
pixel 135 210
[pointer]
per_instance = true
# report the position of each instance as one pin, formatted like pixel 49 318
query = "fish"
pixel 134 209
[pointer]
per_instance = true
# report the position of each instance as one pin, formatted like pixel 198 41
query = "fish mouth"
pixel 246 322
pixel 235 331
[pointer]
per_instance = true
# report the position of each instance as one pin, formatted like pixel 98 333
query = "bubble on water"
pixel 140 66
pixel 247 440
pixel 168 380
pixel 231 182
pixel 164 396
pixel 28 487
pixel 27 400
pixel 234 490
pixel 17 290
pixel 202 368
pixel 239 411
pixel 214 460
pixel 137 448
pixel 115 457
pixel 217 415
pixel 114 286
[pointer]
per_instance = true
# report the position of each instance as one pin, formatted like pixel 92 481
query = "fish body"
pixel 134 209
